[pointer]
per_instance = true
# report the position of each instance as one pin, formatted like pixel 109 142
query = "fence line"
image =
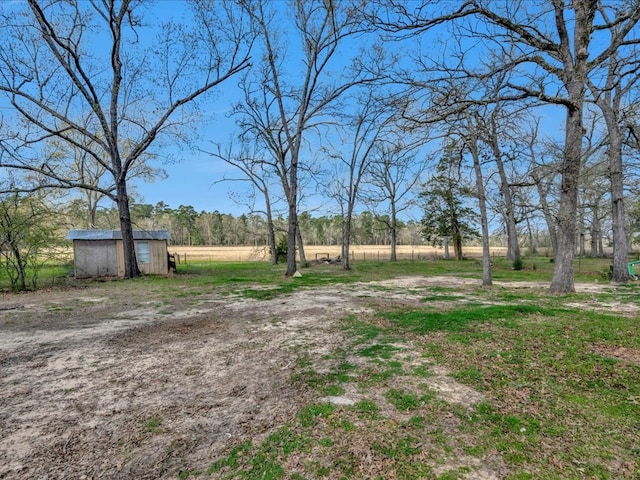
pixel 358 252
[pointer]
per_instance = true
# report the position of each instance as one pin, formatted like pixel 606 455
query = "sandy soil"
pixel 117 382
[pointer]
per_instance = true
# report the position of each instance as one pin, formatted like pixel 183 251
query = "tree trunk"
pixel 93 214
pixel 271 233
pixel 482 205
pixel 542 193
pixel 21 280
pixel 546 211
pixel 457 242
pixel 532 245
pixel 131 269
pixel 574 77
pixel 513 246
pixel 301 256
pixel 291 240
pixel 620 271
pixel 595 234
pixel 346 242
pixel 393 230
pixel 564 256
pixel 292 199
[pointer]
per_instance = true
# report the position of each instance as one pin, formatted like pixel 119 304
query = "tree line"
pixel 510 115
pixel 187 226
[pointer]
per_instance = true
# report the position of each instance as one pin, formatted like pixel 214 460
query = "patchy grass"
pixel 554 404
pixel 477 382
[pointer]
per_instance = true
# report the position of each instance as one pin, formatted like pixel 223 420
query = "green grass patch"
pixel 309 415
pixel 425 321
pixel 153 424
pixel 404 401
pixel 379 350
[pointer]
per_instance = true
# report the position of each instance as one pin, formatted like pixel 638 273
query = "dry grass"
pixel 312 252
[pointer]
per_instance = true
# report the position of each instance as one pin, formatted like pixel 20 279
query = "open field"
pixel 246 253
pixel 358 252
pixel 390 371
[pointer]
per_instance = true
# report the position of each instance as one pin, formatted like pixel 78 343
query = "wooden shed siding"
pixel 95 258
pixel 158 256
pixel 120 258
pixel 159 263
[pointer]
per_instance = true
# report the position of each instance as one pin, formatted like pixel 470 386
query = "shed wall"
pixel 95 258
pixel 158 261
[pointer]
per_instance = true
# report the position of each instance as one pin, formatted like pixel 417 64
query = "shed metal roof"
pixel 117 235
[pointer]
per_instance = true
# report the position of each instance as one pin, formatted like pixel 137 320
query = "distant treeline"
pixel 190 227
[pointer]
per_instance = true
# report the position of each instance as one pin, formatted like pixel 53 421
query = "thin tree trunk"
pixel 482 205
pixel 542 193
pixel 513 246
pixel 346 242
pixel 620 272
pixel 548 216
pixel 457 242
pixel 300 244
pixel 532 245
pixel 271 232
pixel 393 230
pixel 595 233
pixel 19 263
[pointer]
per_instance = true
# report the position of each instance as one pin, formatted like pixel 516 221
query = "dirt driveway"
pixel 125 380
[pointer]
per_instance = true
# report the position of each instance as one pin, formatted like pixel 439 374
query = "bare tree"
pixel 395 172
pixel 282 105
pixel 549 45
pixel 367 132
pixel 491 136
pixel 567 53
pixel 259 172
pixel 543 175
pixel 52 74
pixel 472 142
pixel 609 90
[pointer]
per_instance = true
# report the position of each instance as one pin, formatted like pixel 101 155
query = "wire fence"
pixel 184 254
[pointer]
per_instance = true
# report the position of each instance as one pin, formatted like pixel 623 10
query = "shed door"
pixel 96 258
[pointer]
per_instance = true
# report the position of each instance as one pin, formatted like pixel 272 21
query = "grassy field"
pixel 546 387
pixel 559 380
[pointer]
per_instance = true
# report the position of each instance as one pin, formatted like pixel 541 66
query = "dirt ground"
pixel 122 381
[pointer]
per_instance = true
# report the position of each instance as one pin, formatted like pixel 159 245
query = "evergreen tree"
pixel 446 214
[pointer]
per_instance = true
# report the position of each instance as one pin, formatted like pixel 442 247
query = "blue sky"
pixel 191 182
pixel 192 175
